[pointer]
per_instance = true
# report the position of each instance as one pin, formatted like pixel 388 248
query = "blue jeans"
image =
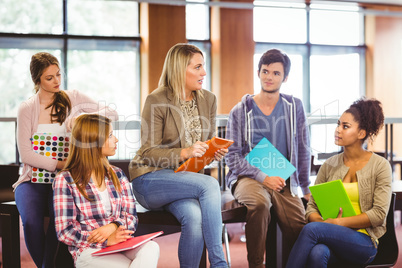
pixel 195 200
pixel 320 244
pixel 34 201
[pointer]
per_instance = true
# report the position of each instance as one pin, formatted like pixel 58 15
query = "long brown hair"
pixel 61 105
pixel 89 134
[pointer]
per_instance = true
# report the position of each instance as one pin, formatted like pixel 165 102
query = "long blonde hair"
pixel 89 134
pixel 61 105
pixel 174 69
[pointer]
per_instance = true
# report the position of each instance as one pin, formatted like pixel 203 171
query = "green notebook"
pixel 329 197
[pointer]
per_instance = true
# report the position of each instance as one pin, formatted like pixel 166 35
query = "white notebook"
pixel 53 146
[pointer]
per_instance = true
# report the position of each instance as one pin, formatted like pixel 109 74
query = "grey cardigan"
pixel 162 130
pixel 240 129
pixel 374 184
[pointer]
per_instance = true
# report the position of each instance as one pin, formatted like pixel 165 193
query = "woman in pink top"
pixel 50 110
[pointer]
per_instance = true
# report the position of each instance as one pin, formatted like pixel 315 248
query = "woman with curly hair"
pixel 367 180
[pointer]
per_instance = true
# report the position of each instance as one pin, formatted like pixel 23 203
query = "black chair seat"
pixel 388 250
pixel 387 253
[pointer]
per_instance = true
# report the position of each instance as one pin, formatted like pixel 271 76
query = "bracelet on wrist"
pixel 116 223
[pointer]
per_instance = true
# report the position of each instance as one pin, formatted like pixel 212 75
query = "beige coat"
pixel 162 131
pixel 374 184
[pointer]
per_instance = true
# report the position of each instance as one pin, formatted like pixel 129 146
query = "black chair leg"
pixel 63 258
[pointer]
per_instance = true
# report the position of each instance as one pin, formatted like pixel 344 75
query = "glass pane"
pixel 206 51
pixel 197 21
pixel 7 140
pixel 104 18
pixel 31 16
pixel 15 79
pixel 330 93
pixel 335 27
pixel 107 76
pixel 282 25
pixel 129 143
pixel 294 84
pixel 322 140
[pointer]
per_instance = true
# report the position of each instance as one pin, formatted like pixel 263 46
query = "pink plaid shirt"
pixel 76 217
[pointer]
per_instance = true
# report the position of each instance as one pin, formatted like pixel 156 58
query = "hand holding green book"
pixel 330 197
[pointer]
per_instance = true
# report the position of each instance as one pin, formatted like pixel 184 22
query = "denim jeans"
pixel 320 244
pixel 195 200
pixel 289 211
pixel 34 201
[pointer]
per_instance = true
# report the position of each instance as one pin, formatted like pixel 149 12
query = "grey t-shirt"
pixel 271 126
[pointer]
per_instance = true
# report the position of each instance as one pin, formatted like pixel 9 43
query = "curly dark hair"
pixel 369 114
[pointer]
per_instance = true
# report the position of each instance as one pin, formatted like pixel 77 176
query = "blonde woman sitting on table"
pixel 367 180
pixel 178 117
pixel 93 201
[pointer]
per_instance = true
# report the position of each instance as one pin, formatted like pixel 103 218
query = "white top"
pixel 52 128
pixel 105 198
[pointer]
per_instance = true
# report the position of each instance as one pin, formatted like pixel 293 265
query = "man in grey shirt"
pixel 281 119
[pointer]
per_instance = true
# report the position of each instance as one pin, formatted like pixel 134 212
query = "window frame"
pixel 307 49
pixel 60 42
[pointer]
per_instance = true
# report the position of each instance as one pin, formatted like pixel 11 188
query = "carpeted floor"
pixel 169 244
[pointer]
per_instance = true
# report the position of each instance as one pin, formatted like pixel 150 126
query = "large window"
pixel 325 45
pixel 198 33
pixel 96 42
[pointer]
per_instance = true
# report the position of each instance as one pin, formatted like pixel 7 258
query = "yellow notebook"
pixel 329 197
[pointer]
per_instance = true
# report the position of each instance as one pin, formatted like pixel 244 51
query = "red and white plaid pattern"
pixel 76 217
